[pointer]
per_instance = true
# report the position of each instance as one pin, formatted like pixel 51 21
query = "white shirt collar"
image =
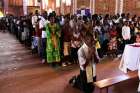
pixel 85 46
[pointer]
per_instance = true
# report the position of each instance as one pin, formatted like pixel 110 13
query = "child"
pixel 112 47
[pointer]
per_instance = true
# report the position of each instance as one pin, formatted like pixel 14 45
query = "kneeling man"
pixel 87 55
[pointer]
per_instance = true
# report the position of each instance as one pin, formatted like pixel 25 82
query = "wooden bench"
pixel 106 83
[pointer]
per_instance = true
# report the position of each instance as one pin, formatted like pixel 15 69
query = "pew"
pixel 106 83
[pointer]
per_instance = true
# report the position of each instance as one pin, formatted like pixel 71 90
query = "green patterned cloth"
pixel 53 43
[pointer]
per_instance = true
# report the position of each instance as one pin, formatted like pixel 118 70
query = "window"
pixel 64 1
pixel 36 2
pixel 30 2
pixel 44 4
pixel 33 2
pixel 68 2
pixel 57 3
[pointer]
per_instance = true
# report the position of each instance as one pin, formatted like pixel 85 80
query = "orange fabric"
pixel 54 40
pixel 38 31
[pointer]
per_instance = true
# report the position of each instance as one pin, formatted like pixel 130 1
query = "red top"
pixel 38 31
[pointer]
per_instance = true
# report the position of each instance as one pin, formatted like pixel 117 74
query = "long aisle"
pixel 22 72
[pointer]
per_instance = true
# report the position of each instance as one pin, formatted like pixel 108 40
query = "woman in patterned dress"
pixel 53 42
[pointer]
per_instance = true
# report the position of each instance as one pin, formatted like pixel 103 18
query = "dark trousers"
pixel 43 48
pixel 126 42
pixel 74 55
pixel 104 47
pixel 100 53
pixel 86 87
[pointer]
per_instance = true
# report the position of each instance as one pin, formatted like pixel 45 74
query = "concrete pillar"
pixel 72 6
pixel 62 7
pixel 116 7
pixel 93 12
pixel 25 7
pixel 75 6
pixel 6 2
pixel 91 8
pixel 121 6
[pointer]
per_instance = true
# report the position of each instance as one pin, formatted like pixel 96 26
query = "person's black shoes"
pixel 94 79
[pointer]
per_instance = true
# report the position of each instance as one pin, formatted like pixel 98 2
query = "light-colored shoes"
pixel 119 55
pixel 43 61
pixel 64 64
pixel 69 63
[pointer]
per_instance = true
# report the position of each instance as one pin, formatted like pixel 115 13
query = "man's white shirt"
pixel 126 32
pixel 82 55
pixel 34 20
pixel 43 23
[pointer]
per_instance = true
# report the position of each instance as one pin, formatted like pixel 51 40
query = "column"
pixel 41 6
pixel 90 6
pixel 121 6
pixel 6 2
pixel 75 6
pixel 25 7
pixel 62 7
pixel 116 7
pixel 93 11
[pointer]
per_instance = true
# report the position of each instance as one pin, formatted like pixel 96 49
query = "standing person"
pixel 21 35
pixel 86 57
pixel 53 42
pixel 132 32
pixel 71 22
pixel 42 23
pixel 29 23
pixel 26 30
pixel 75 44
pixel 99 38
pixel 66 35
pixel 37 31
pixel 35 19
pixel 87 25
pixel 126 34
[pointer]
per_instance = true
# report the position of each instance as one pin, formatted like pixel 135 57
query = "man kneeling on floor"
pixel 87 55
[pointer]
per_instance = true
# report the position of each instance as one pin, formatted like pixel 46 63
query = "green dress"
pixel 53 43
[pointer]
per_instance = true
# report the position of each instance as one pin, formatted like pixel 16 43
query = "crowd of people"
pixel 71 39
pixel 57 39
